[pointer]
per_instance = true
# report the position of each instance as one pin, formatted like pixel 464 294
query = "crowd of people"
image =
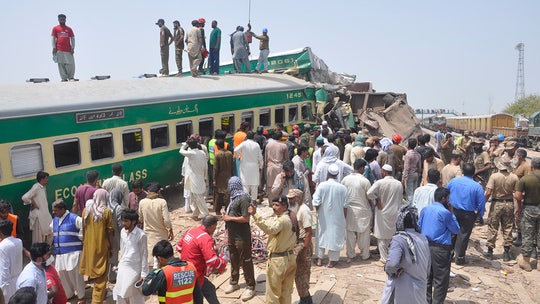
pixel 194 43
pixel 419 201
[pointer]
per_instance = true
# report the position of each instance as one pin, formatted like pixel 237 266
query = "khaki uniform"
pixel 178 38
pixel 281 267
pixel 448 172
pixel 502 184
pixel 435 164
pixel 480 162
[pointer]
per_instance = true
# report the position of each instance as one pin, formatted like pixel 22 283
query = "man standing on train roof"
pixel 202 22
pixel 240 50
pixel 40 217
pixel 63 44
pixel 264 50
pixel 178 38
pixel 165 39
pixel 194 41
pixel 116 182
pixel 215 45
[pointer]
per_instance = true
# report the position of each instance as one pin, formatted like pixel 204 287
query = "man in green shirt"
pixel 215 44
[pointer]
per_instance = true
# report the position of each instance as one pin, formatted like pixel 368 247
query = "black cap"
pixel 160 21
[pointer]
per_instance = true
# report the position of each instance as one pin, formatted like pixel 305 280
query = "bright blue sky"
pixel 449 54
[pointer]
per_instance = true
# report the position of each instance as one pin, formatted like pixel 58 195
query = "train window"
pixel 183 131
pixel 206 127
pixel 248 116
pixel 159 136
pixel 279 114
pixel 264 117
pixel 26 160
pixel 227 124
pixel 67 152
pixel 293 113
pixel 132 141
pixel 101 146
pixel 307 111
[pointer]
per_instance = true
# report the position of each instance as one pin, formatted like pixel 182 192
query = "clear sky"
pixel 443 54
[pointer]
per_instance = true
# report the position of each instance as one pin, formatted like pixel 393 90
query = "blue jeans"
pixel 213 61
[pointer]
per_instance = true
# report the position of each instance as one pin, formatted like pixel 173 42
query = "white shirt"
pixel 38 196
pixel 68 261
pixel 424 196
pixel 390 192
pixel 115 182
pixel 250 163
pixel 133 261
pixel 11 264
pixel 32 276
pixel 359 212
pixel 196 170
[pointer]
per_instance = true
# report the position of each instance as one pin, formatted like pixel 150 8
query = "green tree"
pixel 524 106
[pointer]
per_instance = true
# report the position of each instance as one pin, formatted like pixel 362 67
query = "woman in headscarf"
pixel 98 233
pixel 322 168
pixel 408 263
pixel 357 150
pixel 115 204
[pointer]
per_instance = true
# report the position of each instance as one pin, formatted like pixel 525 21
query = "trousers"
pixel 279 279
pixel 303 272
pixel 530 229
pixel 240 254
pixel 503 216
pixel 466 221
pixel 164 60
pixel 360 239
pixel 439 274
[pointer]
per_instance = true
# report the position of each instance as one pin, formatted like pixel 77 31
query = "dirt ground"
pixel 479 281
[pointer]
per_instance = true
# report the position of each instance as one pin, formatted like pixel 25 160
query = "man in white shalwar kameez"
pixel 133 263
pixel 388 193
pixel 328 159
pixel 331 202
pixel 251 164
pixel 196 176
pixel 359 212
pixel 40 218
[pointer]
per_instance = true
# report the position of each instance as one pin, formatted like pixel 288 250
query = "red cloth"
pixel 53 279
pixel 197 247
pixel 63 34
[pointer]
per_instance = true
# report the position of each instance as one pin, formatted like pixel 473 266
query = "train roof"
pixel 33 99
pixel 479 116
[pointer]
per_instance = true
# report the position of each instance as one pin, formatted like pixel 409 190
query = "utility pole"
pixel 520 80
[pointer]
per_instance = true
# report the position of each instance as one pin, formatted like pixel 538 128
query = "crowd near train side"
pixel 234 146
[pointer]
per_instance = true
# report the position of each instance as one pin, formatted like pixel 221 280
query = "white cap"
pixel 387 167
pixel 324 123
pixel 333 169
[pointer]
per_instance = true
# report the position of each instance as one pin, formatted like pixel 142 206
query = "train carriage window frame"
pixel 307 111
pixel 293 113
pixel 100 142
pixel 231 123
pixel 204 130
pixel 67 152
pixel 159 136
pixel 26 160
pixel 279 115
pixel 183 130
pixel 132 142
pixel 249 117
pixel 265 117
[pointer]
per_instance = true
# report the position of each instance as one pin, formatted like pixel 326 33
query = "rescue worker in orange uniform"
pixel 175 281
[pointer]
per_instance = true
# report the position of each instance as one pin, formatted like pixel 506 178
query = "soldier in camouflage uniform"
pixel 528 197
pixel 500 188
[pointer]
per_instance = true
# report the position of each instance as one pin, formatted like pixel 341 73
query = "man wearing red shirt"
pixel 197 247
pixel 63 43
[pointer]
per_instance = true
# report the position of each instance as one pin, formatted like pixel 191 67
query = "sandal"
pixel 331 264
pixel 318 262
pixel 81 301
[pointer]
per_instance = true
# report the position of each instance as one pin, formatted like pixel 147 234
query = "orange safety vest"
pixel 181 281
pixel 13 218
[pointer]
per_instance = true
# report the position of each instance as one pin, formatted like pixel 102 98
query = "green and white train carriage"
pixel 67 129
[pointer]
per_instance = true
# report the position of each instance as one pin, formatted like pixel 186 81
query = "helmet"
pixel 295 127
pixel 501 137
pixel 397 138
pixel 265 30
pixel 201 20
